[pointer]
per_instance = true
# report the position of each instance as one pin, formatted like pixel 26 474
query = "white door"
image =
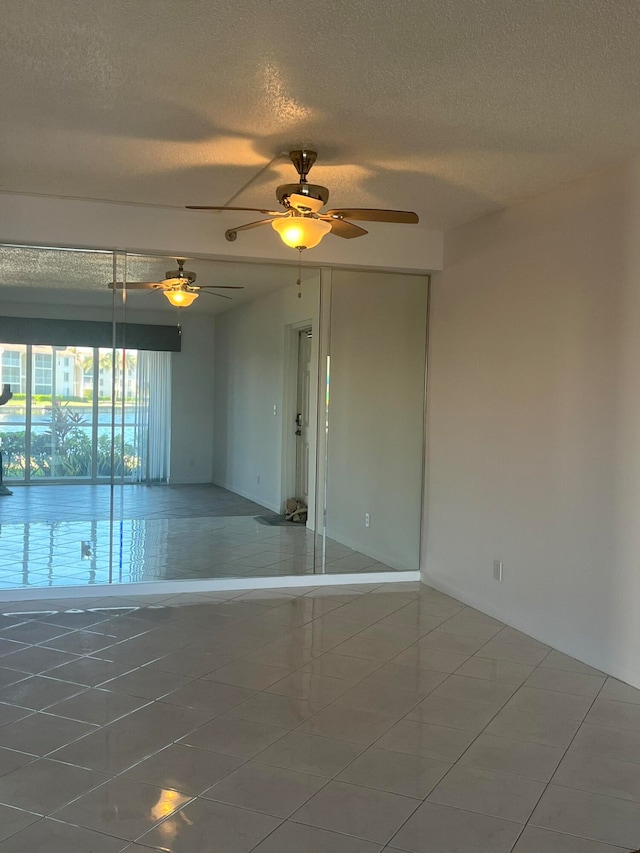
pixel 302 415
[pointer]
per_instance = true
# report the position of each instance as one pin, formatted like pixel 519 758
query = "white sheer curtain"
pixel 153 417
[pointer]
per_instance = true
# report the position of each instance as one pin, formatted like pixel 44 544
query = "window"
pixel 11 369
pixel 42 373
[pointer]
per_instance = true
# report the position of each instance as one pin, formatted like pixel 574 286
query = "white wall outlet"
pixel 367 519
pixel 497 570
pixel 275 410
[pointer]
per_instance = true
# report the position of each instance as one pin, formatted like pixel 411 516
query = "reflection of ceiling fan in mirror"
pixel 179 286
pixel 301 225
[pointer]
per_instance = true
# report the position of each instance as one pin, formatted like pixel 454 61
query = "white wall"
pixel 191 370
pixel 376 413
pixel 251 357
pixel 534 418
pixel 192 405
pixel 50 221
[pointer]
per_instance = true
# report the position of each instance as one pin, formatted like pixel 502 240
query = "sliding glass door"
pixel 72 415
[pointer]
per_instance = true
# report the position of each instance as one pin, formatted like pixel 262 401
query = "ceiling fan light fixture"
pixel 181 298
pixel 301 232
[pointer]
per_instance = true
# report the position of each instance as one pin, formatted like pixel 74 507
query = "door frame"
pixel 289 411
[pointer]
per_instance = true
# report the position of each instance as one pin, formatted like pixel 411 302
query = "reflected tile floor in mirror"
pixel 331 720
pixel 62 536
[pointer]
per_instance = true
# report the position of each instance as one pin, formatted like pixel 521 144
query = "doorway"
pixel 303 410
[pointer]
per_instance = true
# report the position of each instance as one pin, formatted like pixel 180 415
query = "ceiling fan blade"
pixel 374 214
pixel 342 228
pixel 135 285
pixel 221 295
pixel 223 207
pixel 219 287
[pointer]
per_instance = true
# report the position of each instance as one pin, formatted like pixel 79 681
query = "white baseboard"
pixel 249 496
pixel 155 588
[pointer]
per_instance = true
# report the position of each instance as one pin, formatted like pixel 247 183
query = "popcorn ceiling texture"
pixel 452 108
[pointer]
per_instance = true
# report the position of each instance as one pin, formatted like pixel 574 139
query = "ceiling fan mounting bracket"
pixel 303 159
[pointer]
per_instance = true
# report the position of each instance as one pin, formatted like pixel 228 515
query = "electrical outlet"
pixel 367 520
pixel 275 410
pixel 497 570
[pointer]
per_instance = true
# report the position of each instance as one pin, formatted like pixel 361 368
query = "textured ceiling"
pixel 448 107
pixel 80 278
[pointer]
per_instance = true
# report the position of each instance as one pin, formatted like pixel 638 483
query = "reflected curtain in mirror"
pixel 152 435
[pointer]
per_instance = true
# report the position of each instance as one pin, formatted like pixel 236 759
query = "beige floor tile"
pixel 495 670
pixel 296 837
pixel 368 649
pixel 320 689
pixel 438 742
pixel 244 673
pixel 13 820
pixel 608 742
pixel 147 683
pixel 90 671
pixel 388 701
pixel 353 810
pixel 265 788
pixel 288 655
pixel 341 666
pixel 558 660
pixel 515 652
pixel 487 792
pixel 450 830
pixel 233 736
pixel 620 692
pixel 555 704
pixel 285 712
pixel 475 690
pixel 607 776
pixel 397 772
pixel 44 785
pixel 184 768
pixel 11 760
pixel 97 706
pixel 456 643
pixel 405 678
pixel 593 816
pixel 38 692
pixel 41 733
pixel 350 724
pixel 36 659
pixel 320 756
pixel 515 757
pixel 455 713
pixel 457 625
pixel 123 808
pixel 511 635
pixel 535 840
pixel 191 829
pixel 536 728
pixel 566 682
pixel 208 696
pixel 81 643
pixel 418 657
pixel 53 836
pixel 619 715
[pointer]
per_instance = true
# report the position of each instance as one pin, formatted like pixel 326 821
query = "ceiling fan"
pixel 301 225
pixel 179 286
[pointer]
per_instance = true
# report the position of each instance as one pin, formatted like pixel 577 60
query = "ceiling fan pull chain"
pixel 299 281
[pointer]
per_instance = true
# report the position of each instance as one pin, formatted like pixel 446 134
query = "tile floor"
pixel 331 720
pixel 158 533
